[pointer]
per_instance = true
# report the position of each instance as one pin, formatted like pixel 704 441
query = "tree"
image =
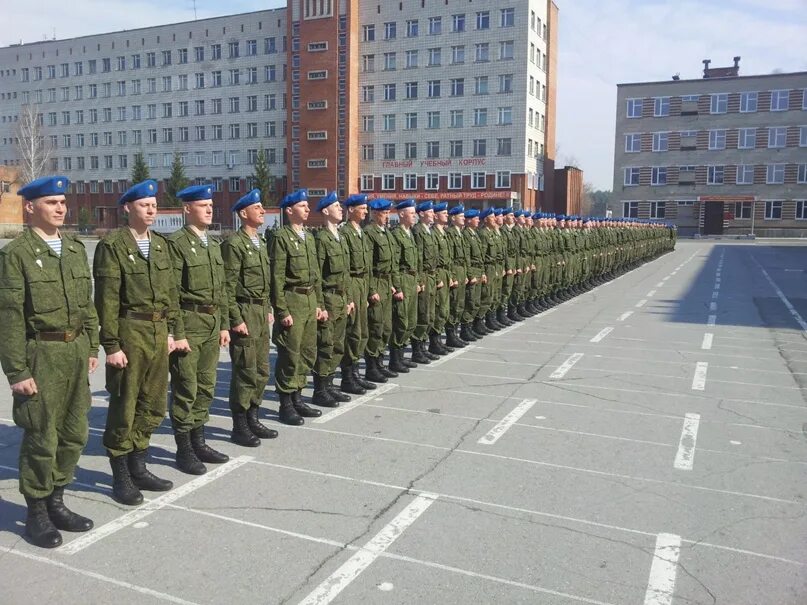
pixel 34 153
pixel 84 220
pixel 175 183
pixel 140 171
pixel 263 178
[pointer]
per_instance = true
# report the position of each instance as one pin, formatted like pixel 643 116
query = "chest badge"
pixel 39 263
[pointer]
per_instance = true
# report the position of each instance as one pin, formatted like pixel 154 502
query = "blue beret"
pixel 486 213
pixel 357 199
pixel 508 210
pixel 253 197
pixel 329 199
pixel 457 210
pixel 196 193
pixel 405 204
pixel 47 185
pixel 471 213
pixel 537 215
pixel 424 206
pixel 441 207
pixel 138 192
pixel 380 204
pixel 301 195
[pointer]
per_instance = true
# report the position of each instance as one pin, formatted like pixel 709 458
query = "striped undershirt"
pixel 55 245
pixel 255 241
pixel 143 246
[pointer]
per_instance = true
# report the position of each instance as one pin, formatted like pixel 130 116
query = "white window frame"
pixel 655 176
pixel 712 173
pixel 661 142
pixel 388 182
pixel 742 174
pixel 479 180
pixel 801 174
pixel 455 180
pixel 717 139
pixel 777 134
pixel 801 210
pixel 503 179
pixel 410 181
pixel 743 134
pixel 634 108
pixel 661 107
pixel 780 94
pixel 747 99
pixel 628 174
pixel 655 207
pixel 633 142
pixel 718 100
pixel 772 171
pixel 432 182
pixel 367 182
pixel 628 209
pixel 771 208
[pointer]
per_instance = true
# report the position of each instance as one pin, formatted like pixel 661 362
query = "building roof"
pixel 714 79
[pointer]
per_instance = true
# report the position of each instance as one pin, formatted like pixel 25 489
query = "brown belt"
pixel 145 316
pixel 301 289
pixel 68 336
pixel 410 272
pixel 358 273
pixel 206 309
pixel 250 301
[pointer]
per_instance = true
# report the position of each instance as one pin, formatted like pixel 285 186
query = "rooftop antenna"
pixel 194 10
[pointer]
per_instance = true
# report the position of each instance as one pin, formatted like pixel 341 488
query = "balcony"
pixel 689 108
pixel 689 143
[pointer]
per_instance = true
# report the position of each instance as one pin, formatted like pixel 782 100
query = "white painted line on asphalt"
pixel 661 585
pixel 707 341
pixel 346 407
pixel 712 320
pixel 717 286
pixel 799 319
pixel 713 306
pixel 641 303
pixel 651 294
pixel 665 278
pixel 362 559
pixel 566 366
pixel 658 285
pixel 715 294
pixel 500 429
pixel 602 334
pixel 153 506
pixel 685 457
pixel 625 315
pixel 699 379
pixel 456 353
pixel 97 576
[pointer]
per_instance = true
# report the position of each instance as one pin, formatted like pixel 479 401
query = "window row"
pixel 502 116
pixel 431 181
pixel 773 210
pixel 749 102
pixel 436 149
pixel 743 174
pixel 434 25
pixel 456 55
pixel 718 139
pixel 198 158
pixel 434 89
pixel 164 58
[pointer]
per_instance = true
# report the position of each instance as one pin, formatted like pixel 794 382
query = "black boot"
pixel 467 334
pixel 287 413
pixel 142 477
pixel 409 363
pixel 419 353
pixel 302 408
pixel 501 317
pixel 479 327
pixel 123 489
pixel 372 372
pixel 335 392
pixel 204 452
pixel 322 396
pixel 241 433
pixel 38 526
pixel 451 338
pixel 456 330
pixel 434 346
pixel 522 310
pixel 385 370
pixel 365 384
pixel 255 426
pixel 349 383
pixel 396 361
pixel 61 516
pixel 187 461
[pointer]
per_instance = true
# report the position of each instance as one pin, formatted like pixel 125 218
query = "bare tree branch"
pixel 33 150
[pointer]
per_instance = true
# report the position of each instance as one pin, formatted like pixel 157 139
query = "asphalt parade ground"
pixel 644 443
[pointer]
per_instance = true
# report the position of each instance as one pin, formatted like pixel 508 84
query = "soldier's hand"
pixel 241 329
pixel 398 296
pixel 92 364
pixel 375 298
pixel 509 272
pixel 117 360
pixel 287 321
pixel 24 387
pixel 440 284
pixel 270 317
pixel 350 308
pixel 484 279
pixel 183 346
pixel 224 338
pixel 472 281
pixel 322 314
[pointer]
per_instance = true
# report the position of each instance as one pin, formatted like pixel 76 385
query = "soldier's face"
pixel 407 217
pixel 334 213
pixel 358 213
pixel 199 213
pixel 381 217
pixel 298 213
pixel 510 219
pixel 473 223
pixel 458 220
pixel 441 218
pixel 141 212
pixel 47 212
pixel 252 216
pixel 426 217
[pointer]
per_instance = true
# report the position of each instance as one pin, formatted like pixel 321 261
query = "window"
pixel 434 89
pixel 717 139
pixel 747 138
pixel 801 174
pixel 433 119
pixel 748 102
pixel 633 143
pixel 630 209
pixel 389 61
pixel 390 30
pixel 432 181
pixel 658 175
pixel 216 106
pixel 634 108
pixel 435 26
pixel 410 182
pixel 661 107
pixel 368 94
pixel 658 209
pixel 435 56
pixel 481 85
pixel 368 35
pixel 389 122
pixel 433 149
pixel 458 23
pixel 411 90
pixel 631 176
pixel 505 83
pixel 483 20
pixel 199 53
pixel 719 103
pixel 802 136
pixel 481 116
pixel 412 28
pixel 714 175
pixel 368 123
pixel 455 148
pixel 201 134
pixel 505 116
pixel 411 121
pixel 745 174
pixel 482 52
pixel 411 59
pixel 779 100
pixel 235 131
pixel 368 152
pixel 215 52
pixel 457 87
pixel 775 174
pixel 503 179
pixel 457 118
pixel 410 151
pixel 773 210
pixel 218 132
pixel 742 210
pixel 508 17
pixel 457 54
pixel 777 136
pixel 506 50
pixel 388 182
pixel 367 181
pixel 478 180
pixel 801 210
pixel 661 141
pixel 455 180
pixel 504 147
pixel 480 148
pixel 368 63
pixel 389 92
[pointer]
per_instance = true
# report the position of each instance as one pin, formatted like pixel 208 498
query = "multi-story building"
pixel 722 154
pixel 413 98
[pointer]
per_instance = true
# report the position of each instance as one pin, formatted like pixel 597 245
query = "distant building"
pixel 11 215
pixel 721 154
pixel 568 198
pixel 413 98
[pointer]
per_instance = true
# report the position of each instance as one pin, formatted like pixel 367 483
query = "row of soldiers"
pixel 164 306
